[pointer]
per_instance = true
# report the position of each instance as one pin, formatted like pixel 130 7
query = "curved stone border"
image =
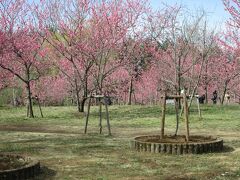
pixel 22 173
pixel 214 145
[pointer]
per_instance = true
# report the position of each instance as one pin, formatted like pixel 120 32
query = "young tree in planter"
pixel 23 49
pixel 110 26
pixel 180 48
pixel 176 48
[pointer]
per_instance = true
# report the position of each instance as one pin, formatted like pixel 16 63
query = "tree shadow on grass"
pixel 227 149
pixel 45 174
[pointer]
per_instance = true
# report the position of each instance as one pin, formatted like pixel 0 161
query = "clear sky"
pixel 214 9
pixel 217 16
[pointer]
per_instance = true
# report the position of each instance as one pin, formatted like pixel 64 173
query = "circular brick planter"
pixel 29 169
pixel 171 144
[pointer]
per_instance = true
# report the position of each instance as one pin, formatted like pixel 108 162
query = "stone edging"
pixel 22 173
pixel 215 145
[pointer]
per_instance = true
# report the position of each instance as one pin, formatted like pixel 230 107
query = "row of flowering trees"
pixel 59 49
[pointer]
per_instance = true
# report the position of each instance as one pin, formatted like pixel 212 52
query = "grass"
pixel 66 153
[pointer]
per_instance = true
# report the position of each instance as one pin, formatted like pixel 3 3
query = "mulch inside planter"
pixel 176 139
pixel 9 162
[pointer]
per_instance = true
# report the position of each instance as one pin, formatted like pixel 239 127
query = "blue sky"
pixel 217 16
pixel 214 9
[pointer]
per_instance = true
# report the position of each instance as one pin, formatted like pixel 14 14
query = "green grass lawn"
pixel 65 152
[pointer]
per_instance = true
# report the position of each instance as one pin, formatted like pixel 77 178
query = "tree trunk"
pixel 224 93
pixel 72 98
pixel 85 95
pixel 82 104
pixel 77 96
pixel 14 98
pixel 197 84
pixel 78 101
pixel 163 116
pixel 206 94
pixel 29 98
pixel 130 92
pixel 178 80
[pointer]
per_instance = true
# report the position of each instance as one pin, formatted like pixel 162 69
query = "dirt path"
pixel 40 129
pixel 122 132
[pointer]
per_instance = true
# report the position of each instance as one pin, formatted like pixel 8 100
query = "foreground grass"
pixel 57 140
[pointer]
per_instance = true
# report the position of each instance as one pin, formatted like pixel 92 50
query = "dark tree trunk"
pixel 85 94
pixel 206 94
pixel 78 101
pixel 179 90
pixel 29 98
pixel 82 104
pixel 72 97
pixel 77 96
pixel 130 91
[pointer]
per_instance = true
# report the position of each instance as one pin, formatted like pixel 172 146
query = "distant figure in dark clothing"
pixel 214 98
pixel 201 99
pixel 107 100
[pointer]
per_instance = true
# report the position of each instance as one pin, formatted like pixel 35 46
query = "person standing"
pixel 214 97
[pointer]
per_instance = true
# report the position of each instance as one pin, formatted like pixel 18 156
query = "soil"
pixel 40 129
pixel 176 139
pixel 8 163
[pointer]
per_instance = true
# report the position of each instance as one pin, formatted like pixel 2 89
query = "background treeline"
pixel 63 51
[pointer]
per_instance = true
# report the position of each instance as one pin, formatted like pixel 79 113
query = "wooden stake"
pixel 177 116
pixel 199 110
pixel 163 116
pixel 186 116
pixel 100 116
pixel 108 122
pixel 88 111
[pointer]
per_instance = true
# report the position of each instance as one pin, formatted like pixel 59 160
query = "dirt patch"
pixel 41 129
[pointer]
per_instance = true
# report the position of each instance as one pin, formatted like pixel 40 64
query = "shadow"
pixel 45 174
pixel 227 149
pixel 181 177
